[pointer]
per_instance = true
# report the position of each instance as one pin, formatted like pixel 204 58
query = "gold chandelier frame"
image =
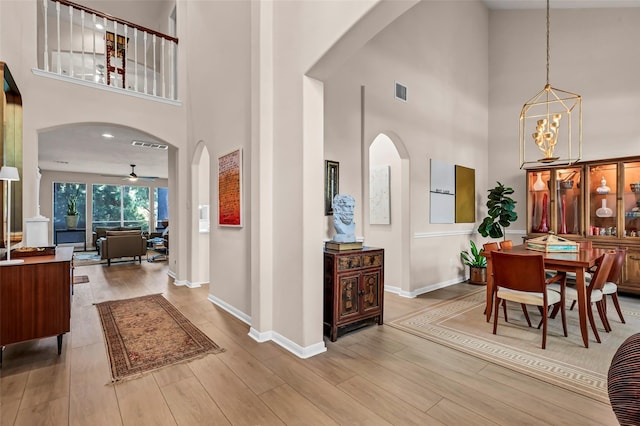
pixel 551 119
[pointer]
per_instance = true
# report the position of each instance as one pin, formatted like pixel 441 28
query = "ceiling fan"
pixel 133 177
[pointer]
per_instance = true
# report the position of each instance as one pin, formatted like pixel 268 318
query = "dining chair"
pixel 521 278
pixel 490 246
pixel 496 246
pixel 594 291
pixel 571 276
pixel 506 245
pixel 610 287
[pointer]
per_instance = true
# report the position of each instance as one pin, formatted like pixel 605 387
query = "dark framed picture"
pixel 331 174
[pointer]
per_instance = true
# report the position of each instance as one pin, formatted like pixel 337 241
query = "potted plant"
pixel 477 264
pixel 72 212
pixel 501 212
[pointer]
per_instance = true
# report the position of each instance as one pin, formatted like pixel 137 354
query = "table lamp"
pixel 9 174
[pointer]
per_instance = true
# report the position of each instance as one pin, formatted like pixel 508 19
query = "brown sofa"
pixel 102 232
pixel 122 244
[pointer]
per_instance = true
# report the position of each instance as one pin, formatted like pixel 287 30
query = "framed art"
pixel 331 175
pixel 230 189
pixel 379 202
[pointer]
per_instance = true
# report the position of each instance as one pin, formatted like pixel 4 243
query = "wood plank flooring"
pixel 377 375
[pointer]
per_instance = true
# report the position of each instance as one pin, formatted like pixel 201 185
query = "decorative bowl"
pixel 566 184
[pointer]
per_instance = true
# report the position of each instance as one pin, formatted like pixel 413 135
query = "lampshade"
pixel 9 173
pixel 551 124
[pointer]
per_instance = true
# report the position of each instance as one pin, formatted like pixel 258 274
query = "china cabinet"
pixel 593 200
pixel 554 201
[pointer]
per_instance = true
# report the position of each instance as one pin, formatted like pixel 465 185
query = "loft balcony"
pixel 85 46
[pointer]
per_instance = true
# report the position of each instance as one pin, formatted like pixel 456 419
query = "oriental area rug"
pixel 460 324
pixel 146 333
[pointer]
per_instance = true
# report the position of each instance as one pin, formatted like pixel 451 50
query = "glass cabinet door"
pixel 602 207
pixel 538 184
pixel 568 201
pixel 631 200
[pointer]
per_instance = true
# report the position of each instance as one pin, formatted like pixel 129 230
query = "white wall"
pixel 217 38
pixel 593 53
pixel 440 51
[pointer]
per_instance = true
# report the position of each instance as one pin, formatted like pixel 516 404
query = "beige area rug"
pixel 146 333
pixel 460 324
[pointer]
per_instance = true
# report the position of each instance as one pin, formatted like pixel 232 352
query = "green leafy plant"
pixel 473 257
pixel 72 205
pixel 501 212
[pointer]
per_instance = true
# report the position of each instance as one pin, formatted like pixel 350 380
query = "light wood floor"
pixel 374 376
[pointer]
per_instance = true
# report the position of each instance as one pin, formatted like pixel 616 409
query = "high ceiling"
pixel 81 148
pixel 559 4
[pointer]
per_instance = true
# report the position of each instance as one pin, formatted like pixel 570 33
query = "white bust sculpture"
pixel 343 206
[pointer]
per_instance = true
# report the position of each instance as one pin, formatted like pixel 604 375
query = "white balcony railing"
pixel 81 43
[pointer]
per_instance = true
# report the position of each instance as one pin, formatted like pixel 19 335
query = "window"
pixel 161 207
pixel 115 205
pixel 62 192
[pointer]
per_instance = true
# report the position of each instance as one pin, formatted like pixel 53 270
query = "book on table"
pixel 334 245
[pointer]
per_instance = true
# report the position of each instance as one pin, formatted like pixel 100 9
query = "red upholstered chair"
pixel 521 278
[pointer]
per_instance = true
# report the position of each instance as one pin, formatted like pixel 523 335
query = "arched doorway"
pixel 387 217
pixel 200 200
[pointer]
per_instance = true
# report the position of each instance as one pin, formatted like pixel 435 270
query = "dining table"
pixel 578 262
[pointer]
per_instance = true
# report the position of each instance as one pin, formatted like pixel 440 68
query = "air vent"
pixel 143 144
pixel 401 92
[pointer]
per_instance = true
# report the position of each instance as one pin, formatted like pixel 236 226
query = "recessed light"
pixel 107 135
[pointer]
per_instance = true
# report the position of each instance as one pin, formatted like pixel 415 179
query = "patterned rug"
pixel 146 333
pixel 460 324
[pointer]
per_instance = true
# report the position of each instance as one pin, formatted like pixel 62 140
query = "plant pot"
pixel 478 275
pixel 72 221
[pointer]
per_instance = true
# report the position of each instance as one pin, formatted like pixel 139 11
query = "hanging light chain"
pixel 548 56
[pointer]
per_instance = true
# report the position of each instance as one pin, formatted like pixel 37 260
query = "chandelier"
pixel 549 122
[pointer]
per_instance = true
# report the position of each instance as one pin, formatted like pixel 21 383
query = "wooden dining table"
pixel 578 262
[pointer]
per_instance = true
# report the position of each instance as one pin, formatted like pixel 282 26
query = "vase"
pixel 544 222
pixel 604 211
pixel 563 215
pixel 478 275
pixel 539 183
pixel 72 221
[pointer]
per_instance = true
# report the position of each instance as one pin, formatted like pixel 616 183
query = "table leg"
pixel 489 306
pixel 582 305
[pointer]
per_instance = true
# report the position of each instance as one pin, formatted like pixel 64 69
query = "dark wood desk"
pixel 565 262
pixel 35 298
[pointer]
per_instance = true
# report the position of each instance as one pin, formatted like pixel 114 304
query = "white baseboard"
pixel 303 352
pixel 426 289
pixel 233 311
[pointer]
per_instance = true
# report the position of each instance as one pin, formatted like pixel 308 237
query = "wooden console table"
pixel 353 288
pixel 35 298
